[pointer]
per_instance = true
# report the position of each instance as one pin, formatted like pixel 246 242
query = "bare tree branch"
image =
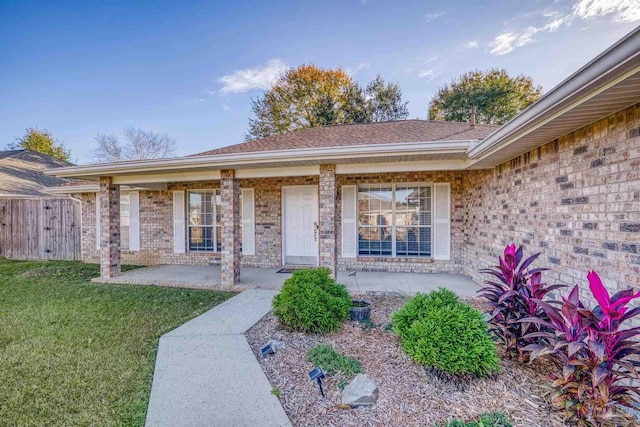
pixel 137 144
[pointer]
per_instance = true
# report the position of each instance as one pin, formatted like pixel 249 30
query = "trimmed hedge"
pixel 440 331
pixel 311 301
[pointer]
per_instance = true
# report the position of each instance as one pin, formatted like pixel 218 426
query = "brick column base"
pixel 230 206
pixel 109 228
pixel 328 215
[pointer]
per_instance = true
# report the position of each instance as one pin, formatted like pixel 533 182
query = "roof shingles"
pixel 362 134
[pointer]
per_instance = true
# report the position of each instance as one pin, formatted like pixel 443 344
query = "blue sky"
pixel 189 69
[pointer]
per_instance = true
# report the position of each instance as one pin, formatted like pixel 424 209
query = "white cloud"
pixel 472 44
pixel 429 74
pixel 262 77
pixel 619 11
pixel 430 17
pixel 225 106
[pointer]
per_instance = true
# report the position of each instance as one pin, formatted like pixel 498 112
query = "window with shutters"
pixel 395 220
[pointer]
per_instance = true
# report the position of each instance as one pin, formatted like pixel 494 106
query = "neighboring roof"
pixel 392 132
pixel 22 173
pixel 607 84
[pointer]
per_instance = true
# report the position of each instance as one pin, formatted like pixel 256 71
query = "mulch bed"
pixel 409 394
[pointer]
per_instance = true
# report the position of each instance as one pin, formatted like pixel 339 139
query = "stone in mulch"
pixel 408 394
pixel 361 391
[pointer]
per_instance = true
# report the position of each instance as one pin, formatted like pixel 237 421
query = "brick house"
pixel 407 196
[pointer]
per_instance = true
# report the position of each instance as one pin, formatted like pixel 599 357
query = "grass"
pixel 331 361
pixel 77 353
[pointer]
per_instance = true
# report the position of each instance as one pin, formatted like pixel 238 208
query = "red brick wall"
pixel 576 200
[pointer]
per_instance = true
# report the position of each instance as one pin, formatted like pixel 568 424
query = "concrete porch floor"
pixel 208 277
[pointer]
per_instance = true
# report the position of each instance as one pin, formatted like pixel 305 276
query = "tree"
pixel 138 144
pixel 498 97
pixel 42 141
pixel 309 96
pixel 385 101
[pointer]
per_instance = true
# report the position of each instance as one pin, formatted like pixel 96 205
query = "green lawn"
pixel 77 353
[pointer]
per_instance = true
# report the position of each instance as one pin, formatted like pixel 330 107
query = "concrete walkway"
pixel 208 277
pixel 207 375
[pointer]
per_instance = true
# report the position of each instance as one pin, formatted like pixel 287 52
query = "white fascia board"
pixel 77 189
pixel 237 160
pixel 151 178
pixel 417 166
pixel 278 172
pixel 608 65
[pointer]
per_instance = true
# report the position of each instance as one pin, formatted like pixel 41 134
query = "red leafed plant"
pixel 513 297
pixel 599 358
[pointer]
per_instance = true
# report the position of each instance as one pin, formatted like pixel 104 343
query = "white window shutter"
pixel 98 234
pixel 442 221
pixel 134 220
pixel 179 240
pixel 248 222
pixel 349 221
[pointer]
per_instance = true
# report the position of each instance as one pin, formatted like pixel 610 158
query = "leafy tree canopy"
pixel 497 96
pixel 42 141
pixel 308 96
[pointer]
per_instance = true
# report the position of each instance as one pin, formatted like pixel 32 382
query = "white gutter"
pixel 67 189
pixel 220 161
pixel 610 67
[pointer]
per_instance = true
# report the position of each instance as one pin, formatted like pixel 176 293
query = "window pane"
pixel 201 220
pixel 412 227
pixel 413 205
pixel 413 241
pixel 375 208
pixel 374 241
pixel 125 221
pixel 201 238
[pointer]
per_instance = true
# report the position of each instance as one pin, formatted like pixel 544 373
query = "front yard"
pixel 77 353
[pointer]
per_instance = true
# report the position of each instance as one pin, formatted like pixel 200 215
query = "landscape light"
pixel 317 374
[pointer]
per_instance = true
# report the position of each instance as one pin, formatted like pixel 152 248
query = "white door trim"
pixel 283 191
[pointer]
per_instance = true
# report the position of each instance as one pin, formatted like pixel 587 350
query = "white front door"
pixel 300 225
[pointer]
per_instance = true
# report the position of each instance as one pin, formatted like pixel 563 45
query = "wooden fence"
pixel 40 229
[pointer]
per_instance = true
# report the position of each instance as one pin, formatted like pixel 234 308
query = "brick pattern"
pixel 576 200
pixel 230 207
pixel 403 264
pixel 109 228
pixel 156 225
pixel 327 218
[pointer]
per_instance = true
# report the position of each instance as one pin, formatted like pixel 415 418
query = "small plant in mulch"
pixel 332 362
pixel 311 301
pixel 367 324
pixel 486 420
pixel 276 392
pixel 442 332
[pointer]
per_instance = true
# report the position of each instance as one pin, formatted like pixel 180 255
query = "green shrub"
pixel 331 361
pixel 312 301
pixel 486 420
pixel 442 332
pixel 419 306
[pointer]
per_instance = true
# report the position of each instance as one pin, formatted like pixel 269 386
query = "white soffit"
pixel 608 84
